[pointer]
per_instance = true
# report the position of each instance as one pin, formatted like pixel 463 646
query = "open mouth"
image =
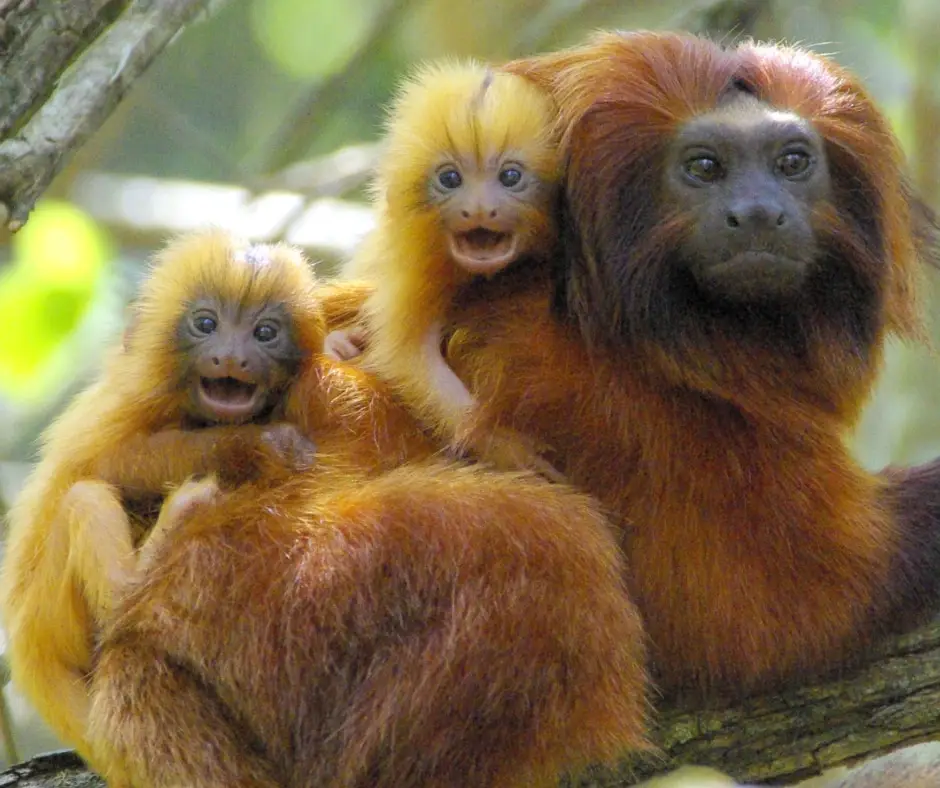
pixel 228 399
pixel 483 251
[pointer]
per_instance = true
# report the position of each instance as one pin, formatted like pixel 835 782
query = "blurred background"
pixel 264 117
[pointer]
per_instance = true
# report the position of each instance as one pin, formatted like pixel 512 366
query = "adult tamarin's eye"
pixel 793 164
pixel 509 177
pixel 265 332
pixel 449 179
pixel 704 168
pixel 204 324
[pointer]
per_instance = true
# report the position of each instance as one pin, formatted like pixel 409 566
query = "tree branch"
pixel 38 39
pixel 86 93
pixel 888 703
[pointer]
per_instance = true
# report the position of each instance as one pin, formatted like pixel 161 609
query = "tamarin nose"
pixel 755 215
pixel 228 364
pixel 480 213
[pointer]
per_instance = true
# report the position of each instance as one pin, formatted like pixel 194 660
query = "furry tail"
pixel 913 498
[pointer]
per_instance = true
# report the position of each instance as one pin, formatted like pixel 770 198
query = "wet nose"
pixel 481 212
pixel 755 215
pixel 227 363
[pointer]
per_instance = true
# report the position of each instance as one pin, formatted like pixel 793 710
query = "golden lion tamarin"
pixel 218 334
pixel 382 620
pixel 467 187
pixel 739 243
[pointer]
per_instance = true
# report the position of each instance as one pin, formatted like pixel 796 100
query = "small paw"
pixel 180 505
pixel 291 446
pixel 344 344
pixel 188 497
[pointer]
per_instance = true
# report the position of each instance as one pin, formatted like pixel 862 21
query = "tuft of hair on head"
pixel 216 263
pixel 452 108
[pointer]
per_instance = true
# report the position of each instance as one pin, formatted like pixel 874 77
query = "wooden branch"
pixel 38 39
pixel 86 93
pixel 53 770
pixel 891 702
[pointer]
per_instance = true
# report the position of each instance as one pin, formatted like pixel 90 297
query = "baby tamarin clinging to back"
pixel 218 334
pixel 466 188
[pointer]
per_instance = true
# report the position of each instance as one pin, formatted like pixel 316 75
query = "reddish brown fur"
pixel 759 549
pixel 427 626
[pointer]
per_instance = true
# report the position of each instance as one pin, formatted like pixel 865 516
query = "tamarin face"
pixel 221 327
pixel 749 178
pixel 484 207
pixel 473 166
pixel 236 358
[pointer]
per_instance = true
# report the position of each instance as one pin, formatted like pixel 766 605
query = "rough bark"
pixel 65 67
pixel 889 703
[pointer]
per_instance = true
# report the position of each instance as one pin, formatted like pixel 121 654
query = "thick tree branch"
pixel 891 702
pixel 38 39
pixel 86 93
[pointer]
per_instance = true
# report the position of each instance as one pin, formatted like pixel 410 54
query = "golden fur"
pixel 70 544
pixel 446 112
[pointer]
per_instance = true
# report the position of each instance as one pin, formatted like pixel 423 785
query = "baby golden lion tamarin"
pixel 218 334
pixel 466 188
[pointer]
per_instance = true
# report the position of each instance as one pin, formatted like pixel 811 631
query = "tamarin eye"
pixel 793 164
pixel 704 168
pixel 449 179
pixel 265 332
pixel 510 177
pixel 204 324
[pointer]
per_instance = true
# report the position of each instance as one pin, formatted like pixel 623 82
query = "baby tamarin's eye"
pixel 204 324
pixel 265 332
pixel 449 178
pixel 510 176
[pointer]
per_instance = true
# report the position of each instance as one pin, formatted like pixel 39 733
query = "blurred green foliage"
pixel 58 260
pixel 309 40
